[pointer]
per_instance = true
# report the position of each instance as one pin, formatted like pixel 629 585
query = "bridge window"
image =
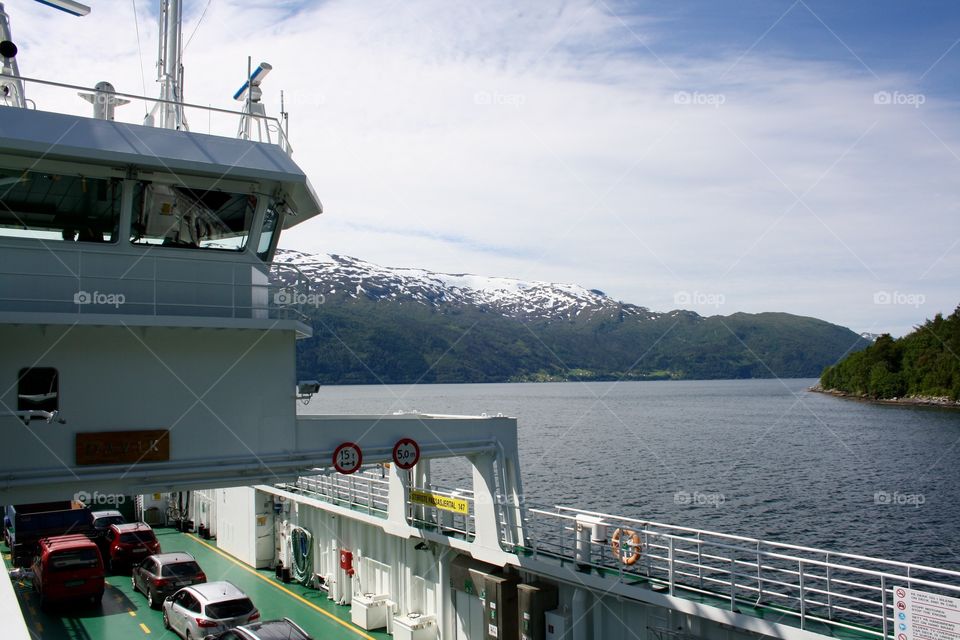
pixel 49 206
pixel 38 389
pixel 270 220
pixel 191 218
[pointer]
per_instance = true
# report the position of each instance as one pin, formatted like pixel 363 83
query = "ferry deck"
pixel 124 614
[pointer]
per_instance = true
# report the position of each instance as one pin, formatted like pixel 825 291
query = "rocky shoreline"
pixel 919 401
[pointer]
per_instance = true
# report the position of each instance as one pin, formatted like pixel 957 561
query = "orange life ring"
pixel 633 542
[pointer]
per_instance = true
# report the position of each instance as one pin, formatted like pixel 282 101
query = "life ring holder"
pixel 632 542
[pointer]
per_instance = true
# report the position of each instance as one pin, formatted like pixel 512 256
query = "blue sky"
pixel 742 156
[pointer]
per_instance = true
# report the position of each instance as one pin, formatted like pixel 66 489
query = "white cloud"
pixel 548 143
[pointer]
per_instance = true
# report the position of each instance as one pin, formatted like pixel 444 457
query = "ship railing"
pixel 367 491
pixel 812 588
pixel 200 118
pixel 449 523
pixel 100 283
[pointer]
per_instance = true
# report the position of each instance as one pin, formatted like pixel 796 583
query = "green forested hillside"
pixel 925 362
pixel 366 341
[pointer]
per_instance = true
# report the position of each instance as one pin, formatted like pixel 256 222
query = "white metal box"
pixel 415 626
pixel 369 611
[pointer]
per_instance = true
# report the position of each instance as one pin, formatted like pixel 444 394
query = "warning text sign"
pixel 440 502
pixel 919 615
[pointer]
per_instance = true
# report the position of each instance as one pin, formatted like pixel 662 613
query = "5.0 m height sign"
pixel 406 453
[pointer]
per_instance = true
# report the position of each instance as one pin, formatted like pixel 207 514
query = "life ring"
pixel 633 543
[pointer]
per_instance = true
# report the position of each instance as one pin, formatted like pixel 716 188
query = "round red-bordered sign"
pixel 406 453
pixel 347 458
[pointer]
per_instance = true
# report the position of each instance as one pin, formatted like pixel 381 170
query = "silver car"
pixel 203 609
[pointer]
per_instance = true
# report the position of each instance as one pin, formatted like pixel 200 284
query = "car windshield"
pixel 75 559
pixel 180 570
pixel 229 608
pixel 106 521
pixel 137 537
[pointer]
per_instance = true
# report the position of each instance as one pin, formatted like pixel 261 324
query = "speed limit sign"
pixel 406 453
pixel 347 458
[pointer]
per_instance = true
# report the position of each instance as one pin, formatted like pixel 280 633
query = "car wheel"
pixel 189 636
pixel 151 601
pixel 166 620
pixel 133 582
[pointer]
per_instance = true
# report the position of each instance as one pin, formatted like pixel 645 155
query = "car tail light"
pixel 201 577
pixel 204 623
pixel 160 582
pixel 254 616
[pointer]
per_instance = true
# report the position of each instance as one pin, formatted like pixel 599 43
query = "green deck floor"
pixel 125 615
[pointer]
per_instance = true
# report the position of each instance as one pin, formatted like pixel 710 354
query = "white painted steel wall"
pixel 203 509
pixel 223 394
pixel 236 523
pixel 13 626
pixel 383 564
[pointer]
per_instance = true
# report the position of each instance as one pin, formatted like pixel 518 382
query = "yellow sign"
pixel 440 502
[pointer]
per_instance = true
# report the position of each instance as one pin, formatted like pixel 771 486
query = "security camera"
pixel 307 387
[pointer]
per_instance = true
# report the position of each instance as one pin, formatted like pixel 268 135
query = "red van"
pixel 129 544
pixel 68 569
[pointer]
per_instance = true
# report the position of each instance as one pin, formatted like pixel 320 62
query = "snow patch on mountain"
pixel 354 278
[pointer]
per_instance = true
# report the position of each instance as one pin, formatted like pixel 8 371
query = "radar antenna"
pixel 253 111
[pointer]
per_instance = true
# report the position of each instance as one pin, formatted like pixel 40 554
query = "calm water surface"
pixel 763 458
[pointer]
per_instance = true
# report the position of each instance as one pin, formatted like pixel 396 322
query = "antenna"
pixel 285 116
pixel 104 100
pixel 253 111
pixel 169 69
pixel 11 88
pixel 68 6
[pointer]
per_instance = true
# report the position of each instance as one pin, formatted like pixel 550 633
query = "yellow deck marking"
pixel 145 628
pixel 281 588
pixel 133 614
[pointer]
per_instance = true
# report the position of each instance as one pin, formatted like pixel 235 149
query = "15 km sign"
pixel 406 453
pixel 347 458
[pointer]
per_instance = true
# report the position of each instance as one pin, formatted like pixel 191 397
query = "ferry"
pixel 148 358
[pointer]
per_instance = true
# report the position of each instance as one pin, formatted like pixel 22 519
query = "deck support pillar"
pixel 486 518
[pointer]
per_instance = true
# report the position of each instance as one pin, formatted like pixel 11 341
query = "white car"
pixel 203 609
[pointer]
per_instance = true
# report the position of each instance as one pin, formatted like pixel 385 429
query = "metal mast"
pixel 11 89
pixel 169 114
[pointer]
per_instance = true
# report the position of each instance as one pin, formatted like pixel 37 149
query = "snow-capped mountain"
pixel 398 326
pixel 335 275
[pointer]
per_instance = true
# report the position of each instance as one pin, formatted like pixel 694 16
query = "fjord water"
pixel 762 458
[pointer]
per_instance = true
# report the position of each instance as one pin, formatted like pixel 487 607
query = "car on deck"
pixel 128 544
pixel 101 524
pixel 163 574
pixel 285 629
pixel 68 569
pixel 207 609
